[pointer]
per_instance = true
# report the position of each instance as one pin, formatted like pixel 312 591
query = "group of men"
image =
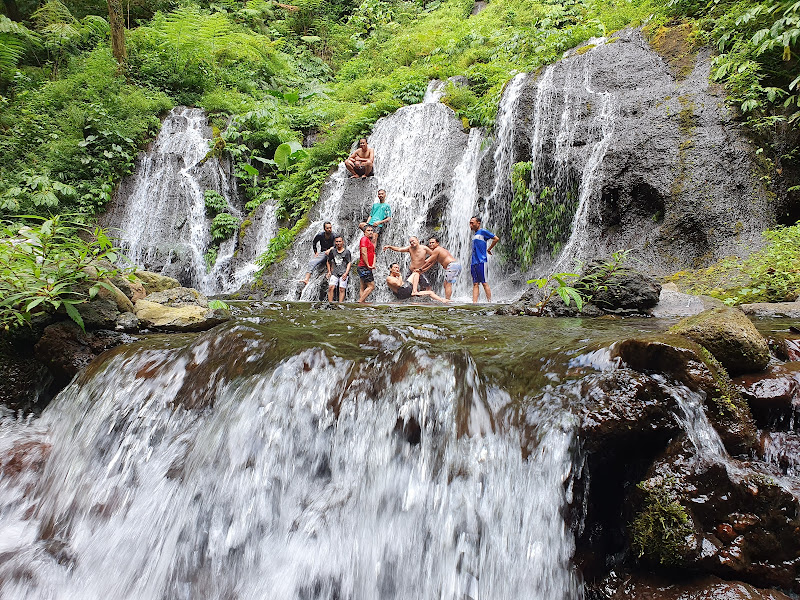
pixel 329 248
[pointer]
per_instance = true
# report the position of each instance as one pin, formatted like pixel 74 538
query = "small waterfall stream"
pixel 159 215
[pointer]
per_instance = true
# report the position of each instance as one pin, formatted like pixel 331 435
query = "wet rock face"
pixel 774 395
pixel 649 587
pixel 740 523
pixel 659 187
pixel 64 349
pixel 730 336
pixel 690 364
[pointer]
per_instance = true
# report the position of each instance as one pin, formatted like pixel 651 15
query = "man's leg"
pixel 366 291
pixel 487 291
pixel 448 289
pixel 330 293
pixel 476 290
pixel 432 295
pixel 349 166
pixel 413 279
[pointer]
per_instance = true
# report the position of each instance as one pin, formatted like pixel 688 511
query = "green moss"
pixel 660 528
pixel 585 49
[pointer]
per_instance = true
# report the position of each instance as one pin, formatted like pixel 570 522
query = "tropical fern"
pixel 15 40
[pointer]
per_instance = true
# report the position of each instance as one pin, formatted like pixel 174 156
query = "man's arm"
pixel 494 240
pixel 317 241
pixel 398 249
pixel 431 260
pixel 347 270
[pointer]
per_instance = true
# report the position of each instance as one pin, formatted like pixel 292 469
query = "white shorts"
pixel 452 272
pixel 341 281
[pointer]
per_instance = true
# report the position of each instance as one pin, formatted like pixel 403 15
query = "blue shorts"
pixel 478 274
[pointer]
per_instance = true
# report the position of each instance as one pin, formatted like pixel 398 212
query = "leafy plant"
pixel 599 275
pixel 218 304
pixel 215 202
pixel 223 226
pixel 558 284
pixel 659 530
pixel 44 265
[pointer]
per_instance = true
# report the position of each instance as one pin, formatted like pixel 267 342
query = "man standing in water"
pixel 325 241
pixel 360 162
pixel 479 258
pixel 339 262
pixel 452 269
pixel 379 215
pixel 405 290
pixel 366 263
pixel 418 254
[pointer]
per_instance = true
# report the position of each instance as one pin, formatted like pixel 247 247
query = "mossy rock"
pixel 729 336
pixel 153 282
pixel 693 366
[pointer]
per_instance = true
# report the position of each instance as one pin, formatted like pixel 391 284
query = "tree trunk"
pixel 116 20
pixel 12 12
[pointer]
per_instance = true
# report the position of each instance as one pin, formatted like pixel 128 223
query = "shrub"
pixel 224 226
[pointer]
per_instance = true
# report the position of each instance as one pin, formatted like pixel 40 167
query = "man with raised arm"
pixel 418 254
pixel 404 290
pixel 360 162
pixel 480 252
pixel 339 262
pixel 366 263
pixel 324 239
pixel 452 268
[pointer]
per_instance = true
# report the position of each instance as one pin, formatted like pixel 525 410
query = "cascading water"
pixel 159 213
pixel 235 465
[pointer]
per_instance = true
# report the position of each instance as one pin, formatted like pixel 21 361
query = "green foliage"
pixel 218 304
pixel 82 131
pixel 15 41
pixel 223 226
pixel 215 203
pixel 43 264
pixel 660 529
pixel 599 275
pixel 276 249
pixel 558 284
pixel 771 274
pixel 540 219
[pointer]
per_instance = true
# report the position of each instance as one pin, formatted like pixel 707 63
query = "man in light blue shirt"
pixel 379 215
pixel 480 252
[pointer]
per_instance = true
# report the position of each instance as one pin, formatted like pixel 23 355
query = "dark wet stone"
pixel 621 290
pixel 690 364
pixel 773 395
pixel 65 349
pixel 645 586
pixel 759 520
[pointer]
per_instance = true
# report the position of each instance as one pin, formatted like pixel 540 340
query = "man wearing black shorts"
pixel 366 263
pixel 403 291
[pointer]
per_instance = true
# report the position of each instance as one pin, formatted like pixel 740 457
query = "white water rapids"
pixel 163 475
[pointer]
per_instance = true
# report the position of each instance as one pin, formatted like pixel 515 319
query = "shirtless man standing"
pixel 405 290
pixel 418 255
pixel 452 268
pixel 360 162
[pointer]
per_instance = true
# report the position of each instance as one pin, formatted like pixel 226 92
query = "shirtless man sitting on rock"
pixel 452 268
pixel 360 162
pixel 418 254
pixel 404 290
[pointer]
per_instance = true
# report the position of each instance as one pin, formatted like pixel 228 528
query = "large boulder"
pixel 24 381
pixel 618 289
pixel 673 303
pixel 730 336
pixel 178 309
pixel 691 365
pixel 725 518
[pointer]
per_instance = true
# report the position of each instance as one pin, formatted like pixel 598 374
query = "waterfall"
pixel 463 204
pixel 159 213
pixel 221 467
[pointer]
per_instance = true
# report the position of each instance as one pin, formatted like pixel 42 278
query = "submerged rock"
pixel 730 336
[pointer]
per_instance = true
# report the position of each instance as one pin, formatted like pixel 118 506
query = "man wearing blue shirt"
pixel 480 253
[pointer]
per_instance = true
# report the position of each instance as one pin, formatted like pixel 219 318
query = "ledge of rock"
pixel 730 337
pixel 178 309
pixel 153 282
pixel 673 303
pixel 645 586
pixel 790 310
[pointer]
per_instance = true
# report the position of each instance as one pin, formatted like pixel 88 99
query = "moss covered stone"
pixel 729 336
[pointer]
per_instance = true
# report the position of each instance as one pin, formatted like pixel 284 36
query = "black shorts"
pixel 404 291
pixel 424 282
pixel 359 169
pixel 365 274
